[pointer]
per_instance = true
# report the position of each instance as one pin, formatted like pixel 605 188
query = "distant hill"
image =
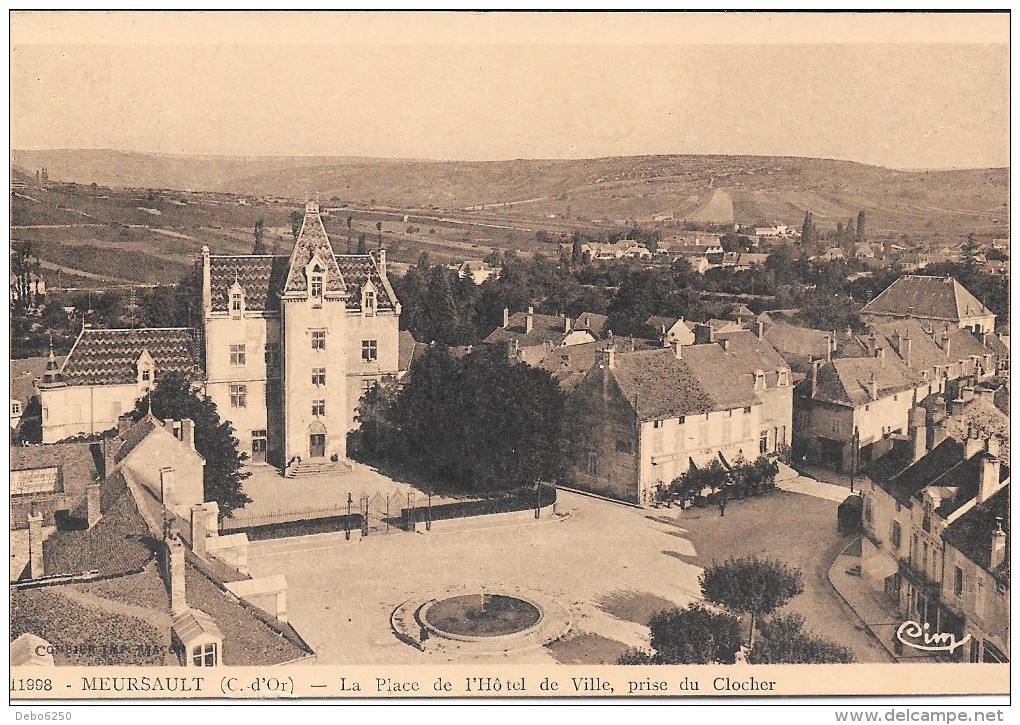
pixel 742 189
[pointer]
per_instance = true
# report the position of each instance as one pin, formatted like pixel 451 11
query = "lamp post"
pixel 428 510
pixel 347 521
pixel 538 499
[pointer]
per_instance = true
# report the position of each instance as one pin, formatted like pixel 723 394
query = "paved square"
pixel 612 565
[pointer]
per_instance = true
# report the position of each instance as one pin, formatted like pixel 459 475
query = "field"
pixel 130 217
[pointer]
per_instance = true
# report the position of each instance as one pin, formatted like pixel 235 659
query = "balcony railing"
pixel 918 578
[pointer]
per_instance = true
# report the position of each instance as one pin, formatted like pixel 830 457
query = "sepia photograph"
pixel 510 355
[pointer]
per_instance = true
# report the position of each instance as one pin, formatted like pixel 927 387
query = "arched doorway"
pixel 316 440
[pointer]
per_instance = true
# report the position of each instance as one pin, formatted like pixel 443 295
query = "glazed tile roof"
pixel 972 532
pixel 261 277
pixel 110 357
pixel 940 298
pixel 357 269
pixel 312 241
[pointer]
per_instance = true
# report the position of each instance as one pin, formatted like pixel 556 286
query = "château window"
pixel 146 375
pixel 896 535
pixel 237 355
pixel 958 581
pixel 204 655
pixel 318 376
pixel 316 282
pixel 369 302
pixel 318 339
pixel 369 350
pixel 236 304
pixel 238 396
pixel 763 442
pixel 318 408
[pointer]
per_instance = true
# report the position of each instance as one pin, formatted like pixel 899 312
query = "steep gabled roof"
pixel 659 386
pixel 846 380
pixel 797 344
pixel 939 298
pixel 110 357
pixel 78 464
pixel 262 278
pixel 357 269
pixel 726 383
pixel 749 353
pixel 964 479
pixel 592 321
pixel 312 241
pixel 118 543
pixel 918 476
pixel 963 344
pixel 925 354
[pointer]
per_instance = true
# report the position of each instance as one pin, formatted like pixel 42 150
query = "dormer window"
pixel 236 300
pixel 368 300
pixel 315 284
pixel 784 377
pixel 145 366
pixel 146 375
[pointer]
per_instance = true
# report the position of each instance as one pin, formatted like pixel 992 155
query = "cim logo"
pixel 918 636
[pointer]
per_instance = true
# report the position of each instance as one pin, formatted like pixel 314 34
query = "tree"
pixel 691 636
pixel 362 243
pixel 174 397
pixel 808 233
pixel 482 422
pixel 260 247
pixel 752 586
pixel 862 235
pixel 296 220
pixel 577 249
pixel 970 250
pixel 783 641
pixel 24 268
pixel 378 228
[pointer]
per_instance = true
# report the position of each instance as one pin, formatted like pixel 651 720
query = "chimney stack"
pixel 918 433
pixel 199 529
pixel 608 357
pixel 703 334
pixel 998 545
pixel 972 445
pixel 815 364
pixel 828 347
pixel 873 387
pixel 725 344
pixel 93 506
pixel 174 571
pixel 35 545
pixel 944 344
pixel 166 486
pixel 382 263
pixel 188 432
pixel 529 321
pixel 568 324
pixel 880 355
pixel 506 317
pixel 989 476
pixel 677 349
pixel 108 460
pixel 759 330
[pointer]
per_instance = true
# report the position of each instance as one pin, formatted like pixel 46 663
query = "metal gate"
pixel 382 511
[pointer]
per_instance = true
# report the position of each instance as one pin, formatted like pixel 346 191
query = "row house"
pixel 530 337
pixel 914 501
pixel 640 419
pixel 147 535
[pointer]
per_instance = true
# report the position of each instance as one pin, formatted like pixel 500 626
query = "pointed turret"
pixel 313 261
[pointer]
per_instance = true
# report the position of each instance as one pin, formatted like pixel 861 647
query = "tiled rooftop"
pixel 941 298
pixel 261 277
pixel 972 532
pixel 110 357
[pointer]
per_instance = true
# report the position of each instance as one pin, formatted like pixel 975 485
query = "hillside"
pixel 743 189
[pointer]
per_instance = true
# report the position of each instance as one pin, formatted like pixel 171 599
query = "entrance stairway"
pixel 317 467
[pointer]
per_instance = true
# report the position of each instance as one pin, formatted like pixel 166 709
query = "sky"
pixel 903 91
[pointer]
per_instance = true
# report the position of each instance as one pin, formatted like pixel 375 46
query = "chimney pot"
pixel 506 317
pixel 759 330
pixel 529 321
pixel 567 323
pixel 989 482
pixel 174 572
pixel 188 432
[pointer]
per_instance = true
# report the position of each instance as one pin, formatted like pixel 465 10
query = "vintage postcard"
pixel 498 355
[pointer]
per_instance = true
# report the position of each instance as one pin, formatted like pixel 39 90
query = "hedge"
pixel 305 527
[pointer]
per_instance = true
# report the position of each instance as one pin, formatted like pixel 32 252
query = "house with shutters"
pixel 932 551
pixel 640 419
pixel 939 303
